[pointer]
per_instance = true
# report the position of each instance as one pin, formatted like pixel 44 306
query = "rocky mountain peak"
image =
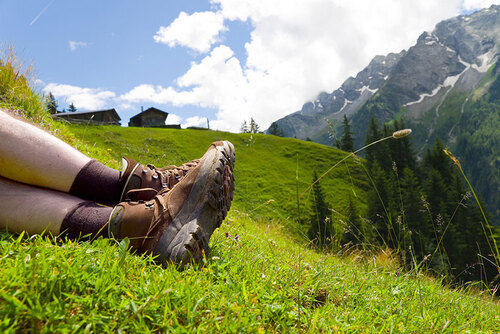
pixel 433 87
pixel 457 53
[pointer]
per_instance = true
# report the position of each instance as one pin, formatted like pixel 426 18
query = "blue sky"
pixel 226 60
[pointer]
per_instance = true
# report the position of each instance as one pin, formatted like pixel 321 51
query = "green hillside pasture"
pixel 258 278
pixel 263 281
pixel 265 167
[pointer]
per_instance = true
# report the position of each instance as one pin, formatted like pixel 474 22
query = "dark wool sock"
pixel 97 182
pixel 84 219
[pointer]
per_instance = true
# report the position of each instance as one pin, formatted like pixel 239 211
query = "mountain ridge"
pixel 430 86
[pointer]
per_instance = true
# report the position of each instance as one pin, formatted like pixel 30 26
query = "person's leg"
pixel 183 220
pixel 33 156
pixel 175 225
pixel 36 210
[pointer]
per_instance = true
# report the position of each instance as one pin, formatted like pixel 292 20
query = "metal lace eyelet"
pixel 155 176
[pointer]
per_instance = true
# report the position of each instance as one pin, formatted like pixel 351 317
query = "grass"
pixel 266 280
pixel 247 285
pixel 16 89
pixel 261 276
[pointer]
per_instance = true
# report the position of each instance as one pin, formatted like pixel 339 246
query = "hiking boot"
pixel 177 223
pixel 139 177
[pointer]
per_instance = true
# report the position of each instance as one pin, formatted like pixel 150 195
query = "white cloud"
pixel 73 45
pixel 195 121
pixel 126 106
pixel 173 119
pixel 477 4
pixel 149 93
pixel 83 98
pixel 201 89
pixel 197 31
pixel 296 49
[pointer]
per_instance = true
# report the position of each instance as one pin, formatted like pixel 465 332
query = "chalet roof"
pixel 64 114
pixel 150 110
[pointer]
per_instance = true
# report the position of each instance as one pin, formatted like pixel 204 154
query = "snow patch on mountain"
pixel 346 102
pixel 423 96
pixel 366 88
pixel 484 60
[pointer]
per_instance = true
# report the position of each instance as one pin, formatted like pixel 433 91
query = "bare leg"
pixel 32 209
pixel 33 156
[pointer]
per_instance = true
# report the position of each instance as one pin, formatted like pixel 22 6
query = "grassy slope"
pixel 265 165
pixel 265 280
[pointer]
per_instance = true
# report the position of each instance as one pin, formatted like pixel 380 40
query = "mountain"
pixel 442 87
pixel 349 98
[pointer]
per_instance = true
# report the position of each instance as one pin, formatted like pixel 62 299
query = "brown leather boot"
pixel 138 177
pixel 177 223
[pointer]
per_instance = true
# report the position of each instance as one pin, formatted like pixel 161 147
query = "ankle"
pixel 97 182
pixel 86 219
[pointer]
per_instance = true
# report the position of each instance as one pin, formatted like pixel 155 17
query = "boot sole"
pixel 186 237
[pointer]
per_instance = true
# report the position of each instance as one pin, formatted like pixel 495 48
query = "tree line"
pixel 419 208
pixel 52 105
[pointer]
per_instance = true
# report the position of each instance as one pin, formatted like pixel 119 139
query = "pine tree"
pixel 275 130
pixel 72 107
pixel 437 185
pixel 382 150
pixel 372 134
pixel 436 158
pixel 426 206
pixel 337 144
pixel 414 219
pixel 355 232
pixel 401 150
pixel 347 141
pixel 244 127
pixel 379 198
pixel 320 231
pixel 51 103
pixel 465 241
pixel 254 127
pixel 456 235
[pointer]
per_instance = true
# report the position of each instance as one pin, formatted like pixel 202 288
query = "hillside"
pixel 266 279
pixel 265 169
pixel 434 87
pixel 261 275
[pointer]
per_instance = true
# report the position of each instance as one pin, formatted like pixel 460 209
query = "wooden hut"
pixel 151 117
pixel 98 117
